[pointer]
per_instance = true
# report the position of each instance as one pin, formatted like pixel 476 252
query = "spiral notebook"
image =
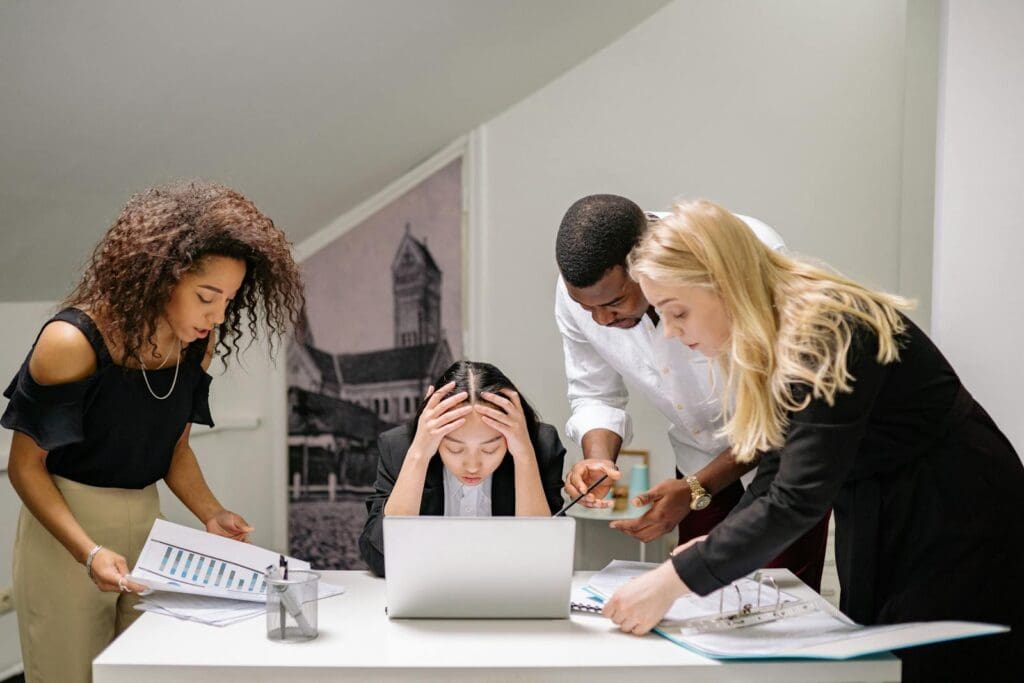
pixel 754 618
pixel 583 601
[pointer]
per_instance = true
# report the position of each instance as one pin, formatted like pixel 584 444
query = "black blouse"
pixel 923 484
pixel 108 429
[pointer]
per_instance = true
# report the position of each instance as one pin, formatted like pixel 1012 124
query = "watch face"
pixel 701 502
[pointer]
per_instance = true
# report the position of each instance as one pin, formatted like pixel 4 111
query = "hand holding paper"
pixel 639 605
pixel 230 525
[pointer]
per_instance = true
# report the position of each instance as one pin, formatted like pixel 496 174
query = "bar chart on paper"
pixel 184 560
pixel 188 566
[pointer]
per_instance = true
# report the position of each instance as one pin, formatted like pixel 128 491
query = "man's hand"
pixel 670 503
pixel 584 473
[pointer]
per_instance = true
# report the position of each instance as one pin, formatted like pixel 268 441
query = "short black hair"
pixel 597 233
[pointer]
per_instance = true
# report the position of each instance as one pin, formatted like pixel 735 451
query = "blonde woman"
pixel 847 404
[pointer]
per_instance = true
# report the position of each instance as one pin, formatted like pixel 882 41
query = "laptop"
pixel 479 567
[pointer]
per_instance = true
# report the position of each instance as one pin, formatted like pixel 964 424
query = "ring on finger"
pixel 120 585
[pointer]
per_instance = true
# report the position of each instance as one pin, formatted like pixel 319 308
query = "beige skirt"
pixel 64 621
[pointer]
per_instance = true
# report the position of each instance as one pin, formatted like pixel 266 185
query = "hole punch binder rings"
pixel 747 613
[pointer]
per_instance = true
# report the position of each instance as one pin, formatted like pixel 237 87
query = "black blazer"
pixel 924 486
pixel 393 445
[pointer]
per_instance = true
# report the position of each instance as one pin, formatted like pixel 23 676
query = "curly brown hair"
pixel 165 232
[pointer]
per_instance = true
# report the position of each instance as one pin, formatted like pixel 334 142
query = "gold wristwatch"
pixel 699 498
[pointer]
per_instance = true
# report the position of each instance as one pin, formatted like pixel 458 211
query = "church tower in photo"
pixel 417 293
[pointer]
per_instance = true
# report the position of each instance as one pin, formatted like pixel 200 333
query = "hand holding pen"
pixel 578 498
pixel 592 478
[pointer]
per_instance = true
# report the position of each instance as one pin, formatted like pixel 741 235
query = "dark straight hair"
pixel 475 378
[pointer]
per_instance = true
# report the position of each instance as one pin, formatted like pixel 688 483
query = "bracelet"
pixel 89 559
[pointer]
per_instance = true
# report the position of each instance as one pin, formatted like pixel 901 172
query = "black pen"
pixel 578 498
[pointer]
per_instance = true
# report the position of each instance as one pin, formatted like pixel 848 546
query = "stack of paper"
pixel 214 611
pixel 790 628
pixel 202 577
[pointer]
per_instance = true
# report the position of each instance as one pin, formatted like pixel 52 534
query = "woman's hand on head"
pixel 442 415
pixel 509 419
pixel 110 571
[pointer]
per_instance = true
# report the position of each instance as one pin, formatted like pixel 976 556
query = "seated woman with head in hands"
pixel 475 449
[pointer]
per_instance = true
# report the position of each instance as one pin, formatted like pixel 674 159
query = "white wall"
pixel 978 317
pixel 244 458
pixel 790 112
pixel 21 323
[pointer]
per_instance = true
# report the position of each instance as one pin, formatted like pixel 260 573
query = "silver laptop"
pixel 479 567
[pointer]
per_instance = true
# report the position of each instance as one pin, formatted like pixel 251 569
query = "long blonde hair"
pixel 792 322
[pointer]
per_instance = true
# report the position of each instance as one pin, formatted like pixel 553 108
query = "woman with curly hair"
pixel 103 405
pixel 845 403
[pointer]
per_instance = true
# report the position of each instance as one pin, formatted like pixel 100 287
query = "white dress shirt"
pixel 684 385
pixel 466 501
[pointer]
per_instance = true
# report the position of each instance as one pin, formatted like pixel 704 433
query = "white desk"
pixel 358 643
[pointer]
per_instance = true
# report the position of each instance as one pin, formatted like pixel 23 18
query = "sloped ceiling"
pixel 308 107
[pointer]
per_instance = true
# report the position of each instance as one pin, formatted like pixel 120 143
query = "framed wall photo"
pixel 383 318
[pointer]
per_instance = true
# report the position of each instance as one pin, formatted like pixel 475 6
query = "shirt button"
pixel 679 406
pixel 697 431
pixel 665 370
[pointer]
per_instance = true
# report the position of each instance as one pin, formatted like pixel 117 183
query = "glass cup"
pixel 291 607
pixel 639 482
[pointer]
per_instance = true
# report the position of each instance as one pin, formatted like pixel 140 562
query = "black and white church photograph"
pixel 383 318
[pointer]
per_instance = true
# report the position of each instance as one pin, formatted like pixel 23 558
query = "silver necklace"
pixel 177 364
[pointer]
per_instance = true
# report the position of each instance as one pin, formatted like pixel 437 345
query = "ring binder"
pixel 747 614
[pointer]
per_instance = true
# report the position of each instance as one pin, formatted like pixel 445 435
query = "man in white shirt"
pixel 610 333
